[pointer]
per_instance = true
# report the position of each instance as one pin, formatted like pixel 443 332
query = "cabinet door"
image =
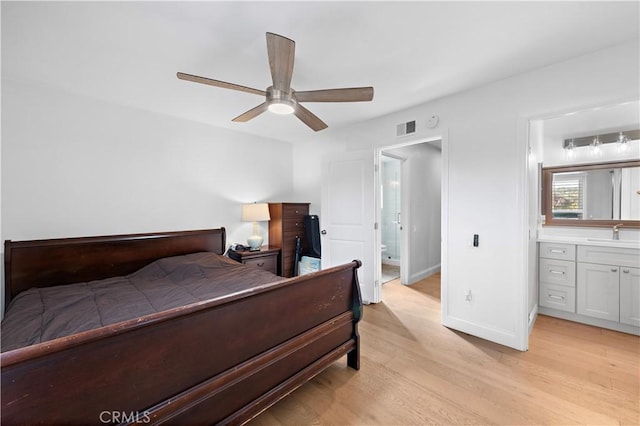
pixel 630 296
pixel 599 291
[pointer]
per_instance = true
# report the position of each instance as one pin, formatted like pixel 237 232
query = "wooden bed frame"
pixel 221 361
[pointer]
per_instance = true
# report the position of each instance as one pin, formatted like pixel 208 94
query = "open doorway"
pixel 410 235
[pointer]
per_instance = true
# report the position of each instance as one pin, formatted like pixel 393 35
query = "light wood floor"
pixel 415 371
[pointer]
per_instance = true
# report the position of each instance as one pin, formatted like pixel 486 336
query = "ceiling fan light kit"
pixel 280 98
pixel 280 102
pixel 281 107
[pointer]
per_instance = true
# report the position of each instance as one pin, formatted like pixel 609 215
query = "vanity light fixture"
pixel 596 141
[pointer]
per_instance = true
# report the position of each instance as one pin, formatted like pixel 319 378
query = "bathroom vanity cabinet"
pixel 593 284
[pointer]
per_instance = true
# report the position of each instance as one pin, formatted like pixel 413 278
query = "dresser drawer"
pixel 266 263
pixel 560 272
pixel 558 251
pixel 293 226
pixel 293 211
pixel 558 297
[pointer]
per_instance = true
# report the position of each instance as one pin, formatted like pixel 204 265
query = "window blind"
pixel 568 193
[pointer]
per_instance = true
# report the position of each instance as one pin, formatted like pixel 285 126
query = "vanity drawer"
pixel 558 297
pixel 558 251
pixel 560 272
pixel 618 256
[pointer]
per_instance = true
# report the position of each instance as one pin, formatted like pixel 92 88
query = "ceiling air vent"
pixel 407 128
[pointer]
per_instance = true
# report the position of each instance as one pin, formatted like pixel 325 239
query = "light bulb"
pixel 595 146
pixel 623 145
pixel 571 153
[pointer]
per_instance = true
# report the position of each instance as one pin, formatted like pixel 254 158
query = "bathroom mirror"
pixel 602 194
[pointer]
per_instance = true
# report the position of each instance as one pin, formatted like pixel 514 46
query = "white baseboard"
pixel 423 274
pixel 502 337
pixel 596 322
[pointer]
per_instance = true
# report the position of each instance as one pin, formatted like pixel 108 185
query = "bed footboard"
pixel 220 361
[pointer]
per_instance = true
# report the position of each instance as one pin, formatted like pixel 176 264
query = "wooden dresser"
pixel 284 226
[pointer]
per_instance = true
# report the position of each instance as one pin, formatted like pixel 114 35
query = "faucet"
pixel 616 231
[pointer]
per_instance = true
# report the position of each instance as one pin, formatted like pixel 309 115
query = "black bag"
pixel 311 225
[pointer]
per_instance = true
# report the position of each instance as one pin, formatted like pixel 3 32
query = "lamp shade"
pixel 256 212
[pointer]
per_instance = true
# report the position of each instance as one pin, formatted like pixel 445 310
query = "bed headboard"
pixel 45 263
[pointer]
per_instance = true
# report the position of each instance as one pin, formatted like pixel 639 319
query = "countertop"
pixel 589 241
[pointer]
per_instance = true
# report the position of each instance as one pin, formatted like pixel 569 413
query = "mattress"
pixel 42 314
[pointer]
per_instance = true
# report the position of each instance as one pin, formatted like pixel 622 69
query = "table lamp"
pixel 256 212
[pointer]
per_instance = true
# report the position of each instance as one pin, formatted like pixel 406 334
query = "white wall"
pixel 74 166
pixel 1 240
pixel 486 191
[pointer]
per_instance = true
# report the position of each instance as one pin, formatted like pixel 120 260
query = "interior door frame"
pixel 405 264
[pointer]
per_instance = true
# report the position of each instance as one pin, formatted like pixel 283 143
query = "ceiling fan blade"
pixel 281 52
pixel 309 118
pixel 218 83
pixel 252 113
pixel 352 94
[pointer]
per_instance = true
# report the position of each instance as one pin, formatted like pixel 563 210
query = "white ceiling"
pixel 410 52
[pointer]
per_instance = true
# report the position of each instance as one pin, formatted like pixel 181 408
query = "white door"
pixel 347 221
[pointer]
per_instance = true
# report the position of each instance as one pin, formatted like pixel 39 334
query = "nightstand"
pixel 266 258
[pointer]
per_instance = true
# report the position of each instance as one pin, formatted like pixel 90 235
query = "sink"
pixel 611 241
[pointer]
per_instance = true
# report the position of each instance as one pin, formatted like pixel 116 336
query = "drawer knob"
pixel 614 269
pixel 557 251
pixel 626 271
pixel 261 264
pixel 553 296
pixel 556 272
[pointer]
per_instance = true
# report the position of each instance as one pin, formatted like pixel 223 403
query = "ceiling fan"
pixel 280 98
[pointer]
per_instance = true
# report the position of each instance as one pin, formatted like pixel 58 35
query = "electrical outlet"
pixel 468 297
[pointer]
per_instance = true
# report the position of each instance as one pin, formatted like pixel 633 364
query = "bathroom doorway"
pixel 390 215
pixel 409 210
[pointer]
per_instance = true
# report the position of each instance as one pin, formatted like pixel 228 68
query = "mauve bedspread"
pixel 41 314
